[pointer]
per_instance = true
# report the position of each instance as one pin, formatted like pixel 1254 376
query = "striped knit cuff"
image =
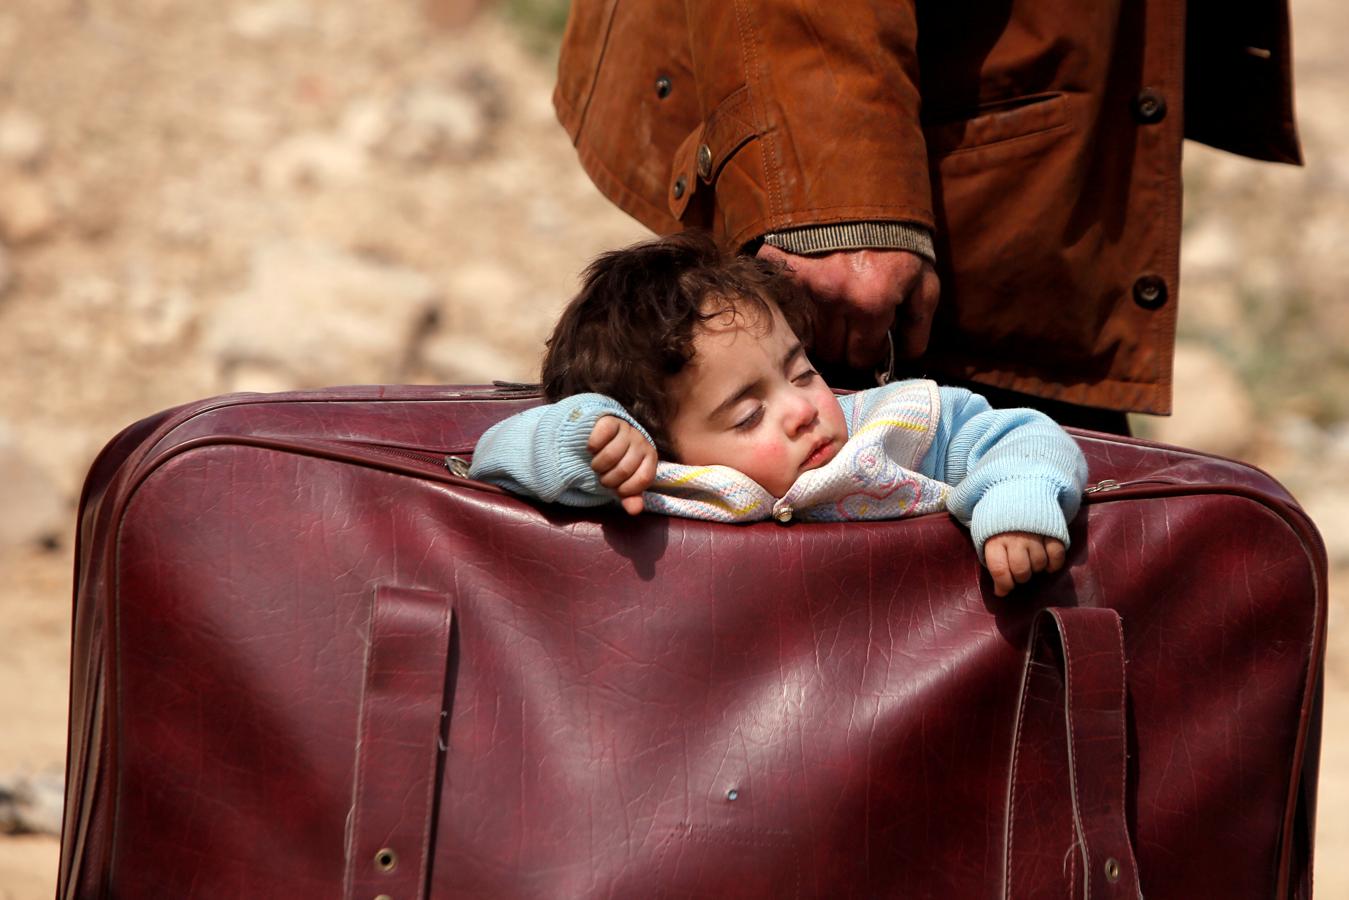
pixel 854 236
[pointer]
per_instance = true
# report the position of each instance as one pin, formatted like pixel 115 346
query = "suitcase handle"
pixel 1069 835
pixel 398 745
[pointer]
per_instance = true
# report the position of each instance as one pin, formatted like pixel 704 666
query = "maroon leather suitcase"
pixel 311 661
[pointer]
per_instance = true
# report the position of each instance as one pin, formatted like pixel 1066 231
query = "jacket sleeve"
pixel 810 116
pixel 1009 469
pixel 542 452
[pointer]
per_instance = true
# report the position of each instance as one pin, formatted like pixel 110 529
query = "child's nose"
pixel 800 415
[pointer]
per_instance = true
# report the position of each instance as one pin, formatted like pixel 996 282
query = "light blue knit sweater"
pixel 1009 470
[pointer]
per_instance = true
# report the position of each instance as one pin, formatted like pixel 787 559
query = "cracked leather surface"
pixel 652 706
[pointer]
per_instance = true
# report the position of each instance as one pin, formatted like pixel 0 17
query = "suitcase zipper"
pixel 455 465
pixel 1106 485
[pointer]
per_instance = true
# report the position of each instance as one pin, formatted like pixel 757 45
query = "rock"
pixel 1213 409
pixel 36 512
pixel 27 214
pixel 435 124
pixel 1214 305
pixel 312 160
pixel 23 139
pixel 159 315
pixel 367 123
pixel 184 226
pixel 484 285
pixel 322 316
pixel 270 19
pixel 452 14
pixel 1209 248
pixel 31 804
pixel 466 359
pixel 259 378
pixel 1329 509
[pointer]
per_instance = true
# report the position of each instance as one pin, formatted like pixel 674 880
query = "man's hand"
pixel 624 460
pixel 1013 557
pixel 859 294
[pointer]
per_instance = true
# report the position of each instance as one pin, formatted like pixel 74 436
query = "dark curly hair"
pixel 631 326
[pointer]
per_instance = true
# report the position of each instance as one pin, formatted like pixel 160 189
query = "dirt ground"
pixel 161 163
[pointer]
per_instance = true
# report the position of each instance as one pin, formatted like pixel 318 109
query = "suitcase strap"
pixel 1068 836
pixel 398 743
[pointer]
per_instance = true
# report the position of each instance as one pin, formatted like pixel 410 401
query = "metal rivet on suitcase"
pixel 1112 870
pixel 386 860
pixel 732 794
pixel 784 514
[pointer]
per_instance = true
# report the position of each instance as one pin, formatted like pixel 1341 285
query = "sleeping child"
pixel 678 383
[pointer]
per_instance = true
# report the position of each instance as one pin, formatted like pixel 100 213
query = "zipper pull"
pixel 1100 487
pixel 457 466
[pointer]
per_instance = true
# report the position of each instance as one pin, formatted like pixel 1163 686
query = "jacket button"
pixel 704 162
pixel 1149 106
pixel 1150 291
pixel 663 87
pixel 679 187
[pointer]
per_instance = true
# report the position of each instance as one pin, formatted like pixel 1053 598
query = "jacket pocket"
pixel 994 125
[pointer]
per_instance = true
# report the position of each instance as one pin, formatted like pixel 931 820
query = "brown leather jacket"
pixel 1039 139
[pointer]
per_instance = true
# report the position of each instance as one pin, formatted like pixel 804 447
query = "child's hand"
pixel 624 460
pixel 1013 557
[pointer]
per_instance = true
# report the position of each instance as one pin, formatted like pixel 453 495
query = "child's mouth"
pixel 820 455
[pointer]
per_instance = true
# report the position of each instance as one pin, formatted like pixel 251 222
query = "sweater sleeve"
pixel 811 116
pixel 1009 469
pixel 542 452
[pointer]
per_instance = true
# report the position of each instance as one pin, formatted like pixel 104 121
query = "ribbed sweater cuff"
pixel 1018 504
pixel 854 236
pixel 571 463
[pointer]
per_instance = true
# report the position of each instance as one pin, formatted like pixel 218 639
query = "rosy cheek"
pixel 768 463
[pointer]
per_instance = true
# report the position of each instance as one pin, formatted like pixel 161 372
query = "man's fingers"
pixel 867 347
pixel 831 332
pixel 913 322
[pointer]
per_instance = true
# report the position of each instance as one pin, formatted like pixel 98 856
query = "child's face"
pixel 750 399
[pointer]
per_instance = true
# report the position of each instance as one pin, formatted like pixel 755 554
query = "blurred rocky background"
pixel 270 194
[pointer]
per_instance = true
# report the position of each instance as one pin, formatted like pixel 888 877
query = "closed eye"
pixel 751 420
pixel 805 377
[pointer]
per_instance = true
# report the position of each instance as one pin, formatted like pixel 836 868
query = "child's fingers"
pixel 1056 552
pixel 605 430
pixel 633 505
pixel 621 438
pixel 1018 560
pixel 995 557
pixel 624 468
pixel 641 479
pixel 608 456
pixel 1035 550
